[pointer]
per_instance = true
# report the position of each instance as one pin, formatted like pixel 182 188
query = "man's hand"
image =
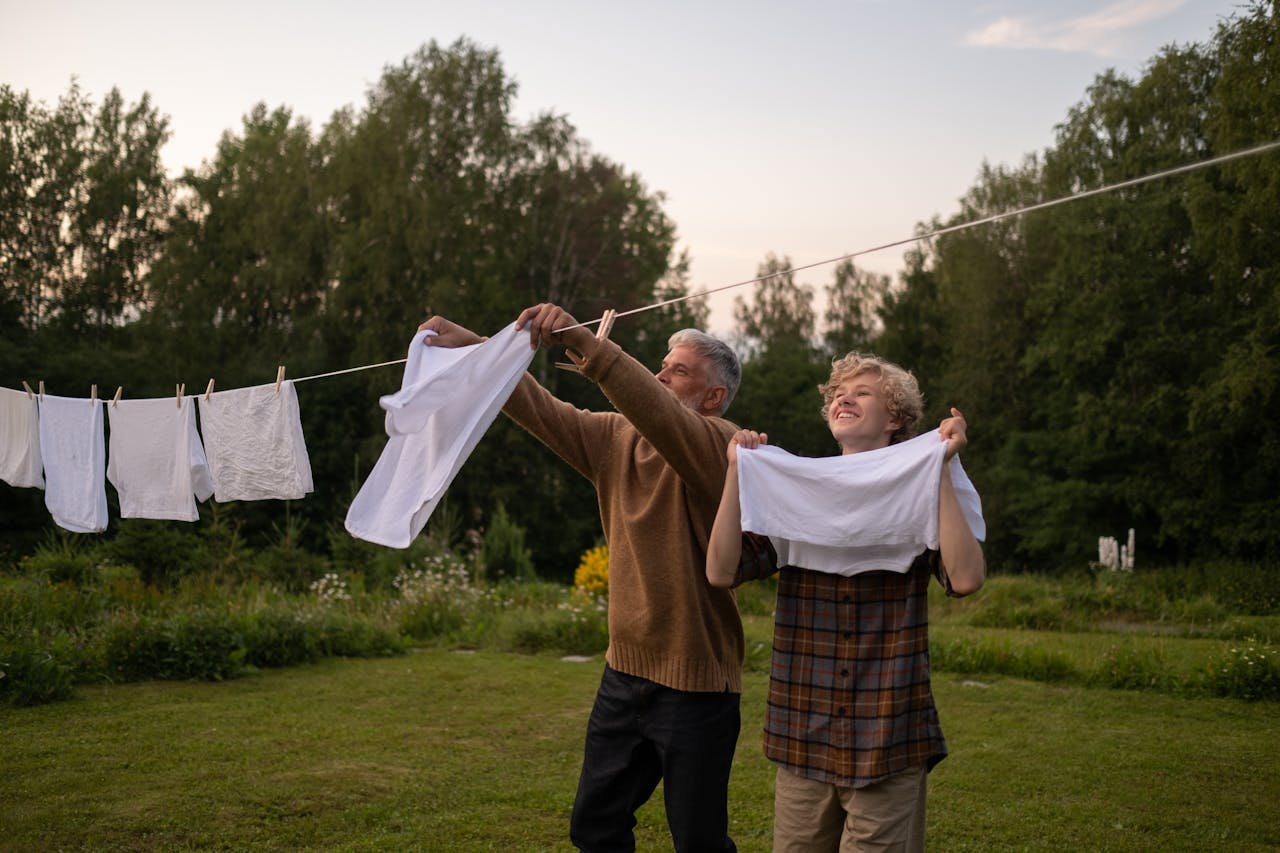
pixel 748 438
pixel 545 320
pixel 954 432
pixel 448 334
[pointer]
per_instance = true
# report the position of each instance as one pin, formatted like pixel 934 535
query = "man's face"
pixel 684 373
pixel 858 414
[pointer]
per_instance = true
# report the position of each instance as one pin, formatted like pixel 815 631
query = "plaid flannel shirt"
pixel 849 696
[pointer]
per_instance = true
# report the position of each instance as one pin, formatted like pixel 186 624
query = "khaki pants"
pixel 811 816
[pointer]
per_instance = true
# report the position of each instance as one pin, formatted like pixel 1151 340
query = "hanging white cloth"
pixel 157 462
pixel 254 443
pixel 75 456
pixel 446 401
pixel 20 440
pixel 874 510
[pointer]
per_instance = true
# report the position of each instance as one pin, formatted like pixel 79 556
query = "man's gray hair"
pixel 722 362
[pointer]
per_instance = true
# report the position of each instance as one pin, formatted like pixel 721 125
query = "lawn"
pixel 441 750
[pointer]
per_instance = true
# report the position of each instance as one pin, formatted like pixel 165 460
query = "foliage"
pixel 1247 672
pixel 1114 355
pixel 592 575
pixel 503 552
pixel 999 658
pixel 1072 338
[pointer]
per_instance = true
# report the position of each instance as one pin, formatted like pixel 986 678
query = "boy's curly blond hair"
pixel 901 390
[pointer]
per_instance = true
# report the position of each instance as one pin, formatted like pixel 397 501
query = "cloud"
pixel 1098 32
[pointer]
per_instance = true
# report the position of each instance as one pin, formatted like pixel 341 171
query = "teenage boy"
pixel 851 723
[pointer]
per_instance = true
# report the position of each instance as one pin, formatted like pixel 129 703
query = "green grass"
pixel 446 751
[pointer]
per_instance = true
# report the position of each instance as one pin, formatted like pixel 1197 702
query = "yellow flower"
pixel 592 575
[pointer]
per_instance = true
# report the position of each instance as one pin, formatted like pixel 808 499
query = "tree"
pixel 782 365
pixel 852 299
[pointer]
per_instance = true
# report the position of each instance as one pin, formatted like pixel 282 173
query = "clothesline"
pixel 937 232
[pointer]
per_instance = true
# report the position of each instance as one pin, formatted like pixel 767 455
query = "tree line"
pixel 1116 356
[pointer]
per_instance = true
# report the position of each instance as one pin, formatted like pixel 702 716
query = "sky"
pixel 809 129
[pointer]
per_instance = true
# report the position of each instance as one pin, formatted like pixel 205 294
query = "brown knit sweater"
pixel 658 468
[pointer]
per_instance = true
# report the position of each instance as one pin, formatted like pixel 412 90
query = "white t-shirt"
pixel 253 440
pixel 157 462
pixel 20 440
pixel 75 457
pixel 875 510
pixel 446 401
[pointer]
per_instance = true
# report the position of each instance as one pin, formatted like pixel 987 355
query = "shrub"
pixel 571 628
pixel 285 561
pixel 438 600
pixel 60 559
pixel 968 656
pixel 34 670
pixel 503 551
pixel 758 598
pixel 1248 671
pixel 1127 668
pixel 591 578
pixel 199 645
pixel 161 551
pixel 277 637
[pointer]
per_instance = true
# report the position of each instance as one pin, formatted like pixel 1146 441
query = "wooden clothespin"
pixel 93 393
pixel 115 401
pixel 179 388
pixel 208 392
pixel 30 394
pixel 606 324
pixel 279 378
pixel 574 365
pixel 41 389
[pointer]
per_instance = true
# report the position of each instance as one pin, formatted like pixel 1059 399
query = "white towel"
pixel 20 440
pixel 874 510
pixel 446 401
pixel 75 457
pixel 253 440
pixel 157 462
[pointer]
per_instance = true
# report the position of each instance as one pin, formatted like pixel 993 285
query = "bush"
pixel 34 671
pixel 439 600
pixel 163 552
pixel 199 645
pixel 571 628
pixel 967 656
pixel 592 575
pixel 503 551
pixel 285 561
pixel 758 598
pixel 1126 668
pixel 1248 671
pixel 61 559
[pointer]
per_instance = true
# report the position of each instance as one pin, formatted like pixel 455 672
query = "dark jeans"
pixel 640 732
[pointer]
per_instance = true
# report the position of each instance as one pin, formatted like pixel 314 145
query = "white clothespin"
pixel 279 378
pixel 30 394
pixel 208 392
pixel 178 389
pixel 115 401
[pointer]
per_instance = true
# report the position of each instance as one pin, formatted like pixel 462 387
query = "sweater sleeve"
pixel 577 436
pixel 693 444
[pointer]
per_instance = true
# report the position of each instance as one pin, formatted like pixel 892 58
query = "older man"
pixel 667 705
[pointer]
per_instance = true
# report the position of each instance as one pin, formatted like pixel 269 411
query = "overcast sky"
pixel 809 129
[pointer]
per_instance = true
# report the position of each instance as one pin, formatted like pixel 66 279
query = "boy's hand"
pixel 748 438
pixel 954 431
